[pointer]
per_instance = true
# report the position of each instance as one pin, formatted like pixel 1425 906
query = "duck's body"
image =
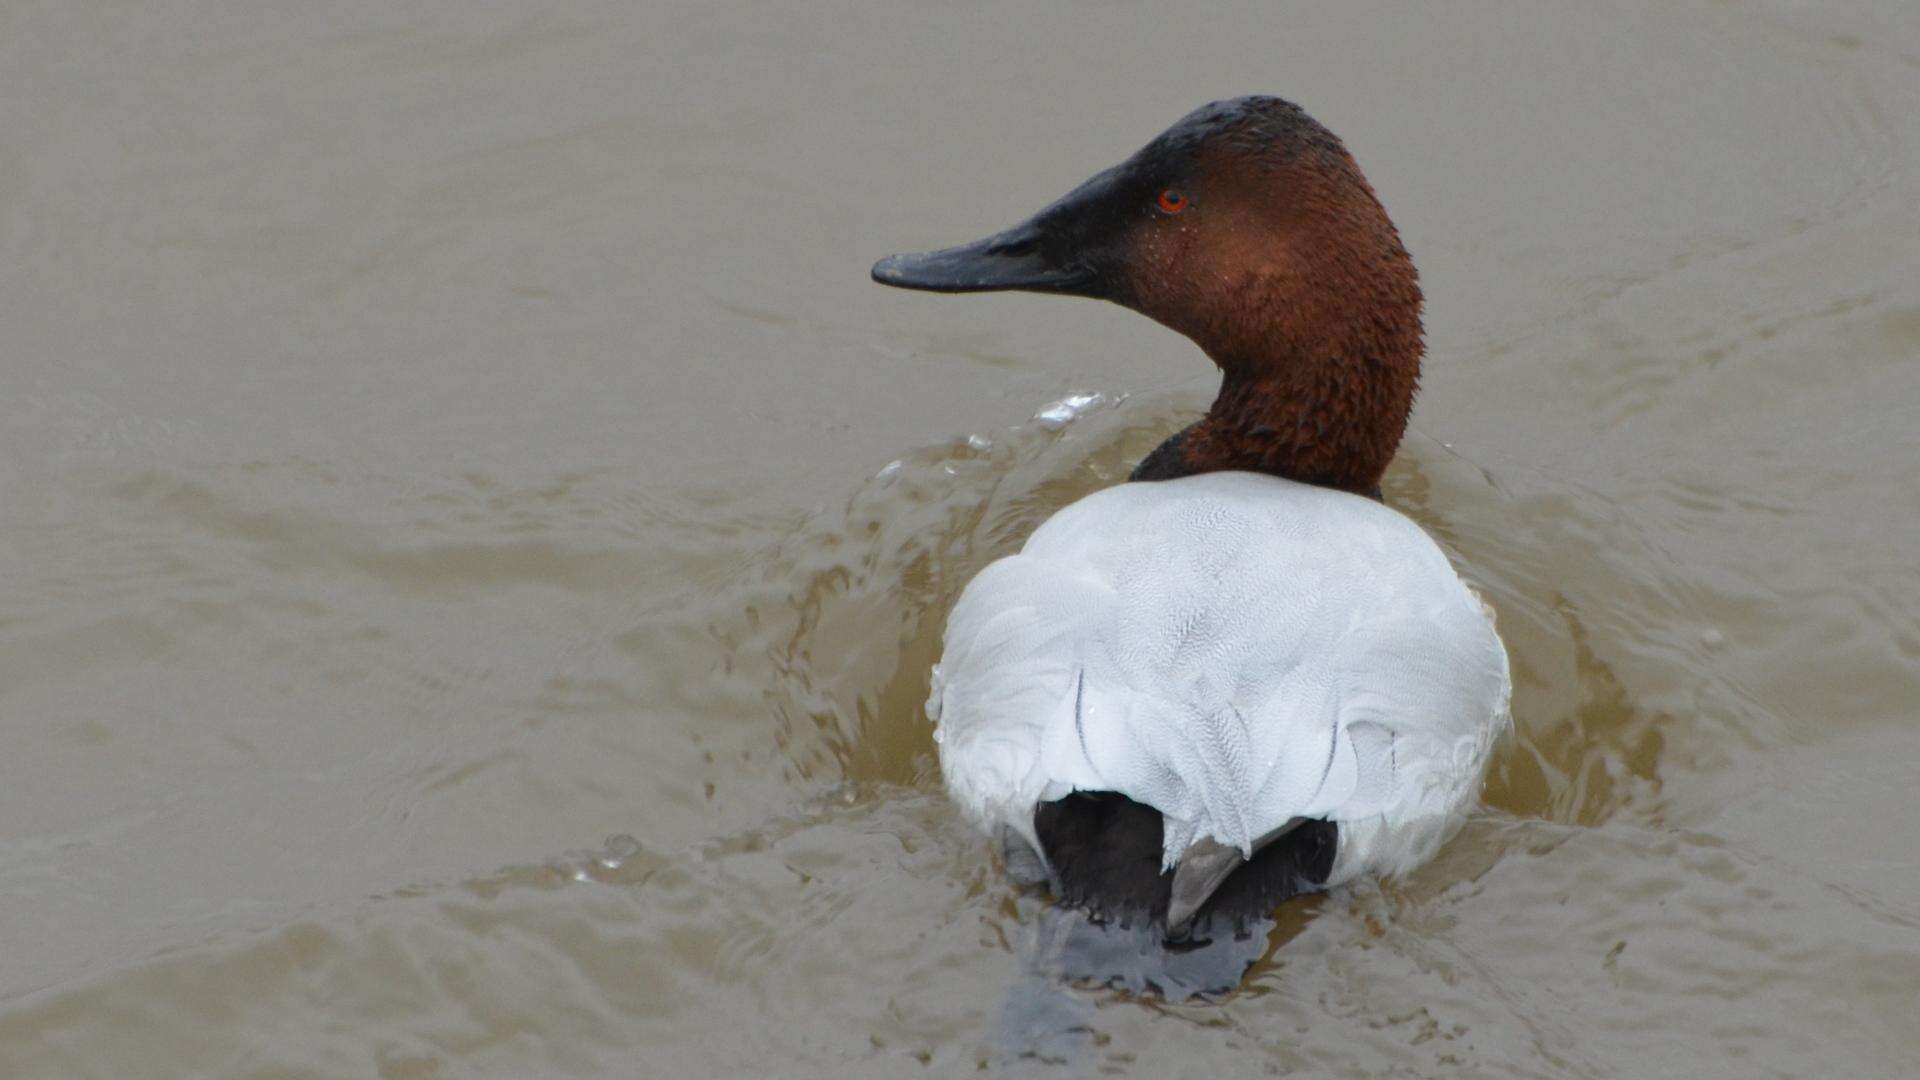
pixel 1237 677
pixel 1236 651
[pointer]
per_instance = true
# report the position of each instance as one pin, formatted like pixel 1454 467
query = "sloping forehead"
pixel 1257 130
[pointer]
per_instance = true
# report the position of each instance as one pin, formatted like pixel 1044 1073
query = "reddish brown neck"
pixel 1331 416
pixel 1337 427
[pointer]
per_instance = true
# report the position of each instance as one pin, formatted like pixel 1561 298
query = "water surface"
pixel 472 539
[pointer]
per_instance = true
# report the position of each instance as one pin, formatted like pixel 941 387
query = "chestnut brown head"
pixel 1245 221
pixel 1248 228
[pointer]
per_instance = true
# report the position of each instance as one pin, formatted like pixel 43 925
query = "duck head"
pixel 1248 228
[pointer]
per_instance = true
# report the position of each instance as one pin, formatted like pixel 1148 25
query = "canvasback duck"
pixel 1239 676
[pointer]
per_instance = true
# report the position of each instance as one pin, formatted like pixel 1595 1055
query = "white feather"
pixel 1234 650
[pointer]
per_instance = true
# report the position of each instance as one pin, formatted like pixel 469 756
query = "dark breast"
pixel 1167 461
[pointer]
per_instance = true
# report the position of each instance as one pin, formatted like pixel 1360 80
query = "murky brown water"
pixel 434 440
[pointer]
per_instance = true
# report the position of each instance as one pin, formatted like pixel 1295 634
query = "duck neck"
pixel 1334 423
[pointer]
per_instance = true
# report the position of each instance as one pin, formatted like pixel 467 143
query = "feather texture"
pixel 1233 650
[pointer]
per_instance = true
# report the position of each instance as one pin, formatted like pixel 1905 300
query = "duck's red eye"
pixel 1172 201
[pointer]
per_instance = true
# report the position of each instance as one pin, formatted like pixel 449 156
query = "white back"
pixel 1235 650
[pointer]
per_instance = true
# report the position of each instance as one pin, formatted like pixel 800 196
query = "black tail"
pixel 1104 849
